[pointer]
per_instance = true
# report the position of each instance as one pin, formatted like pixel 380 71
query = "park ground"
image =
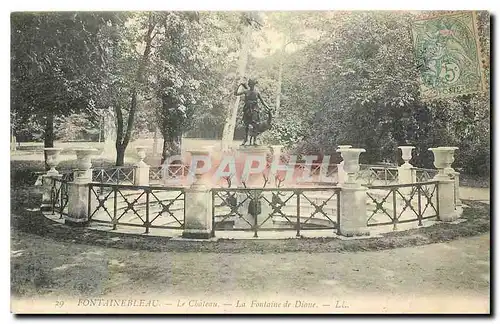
pixel 454 275
pixel 449 277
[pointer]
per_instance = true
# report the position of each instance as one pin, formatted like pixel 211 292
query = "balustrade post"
pixel 47 179
pixel 443 158
pixel 78 191
pixel 141 169
pixel 353 216
pixel 406 172
pixel 198 210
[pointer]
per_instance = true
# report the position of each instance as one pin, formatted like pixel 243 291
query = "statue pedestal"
pixel 251 160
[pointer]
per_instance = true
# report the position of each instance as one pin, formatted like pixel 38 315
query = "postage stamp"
pixel 448 55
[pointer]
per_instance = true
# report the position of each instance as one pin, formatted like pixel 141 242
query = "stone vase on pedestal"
pixel 342 175
pixel 446 195
pixel 52 159
pixel 141 169
pixel 198 207
pixel 406 171
pixel 52 155
pixel 350 158
pixel 84 164
pixel 78 192
pixel 353 216
pixel 453 174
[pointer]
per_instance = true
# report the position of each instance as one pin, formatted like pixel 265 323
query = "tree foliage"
pixel 56 61
pixel 358 85
pixel 334 77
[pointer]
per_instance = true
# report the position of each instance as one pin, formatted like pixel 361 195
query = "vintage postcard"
pixel 250 162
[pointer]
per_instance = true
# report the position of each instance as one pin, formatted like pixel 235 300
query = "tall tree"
pixel 291 27
pixel 130 58
pixel 192 55
pixel 56 65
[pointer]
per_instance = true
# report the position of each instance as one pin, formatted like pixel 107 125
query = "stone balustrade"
pixel 198 209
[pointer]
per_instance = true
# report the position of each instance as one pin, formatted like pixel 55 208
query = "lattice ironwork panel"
pixel 401 203
pixel 275 209
pixel 142 206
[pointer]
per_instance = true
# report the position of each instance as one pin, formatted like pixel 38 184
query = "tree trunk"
pixel 120 151
pixel 171 146
pixel 48 140
pixel 155 142
pixel 120 154
pixel 122 140
pixel 280 81
pixel 230 125
pixel 164 151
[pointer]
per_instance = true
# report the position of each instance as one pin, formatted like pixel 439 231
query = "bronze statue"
pixel 251 112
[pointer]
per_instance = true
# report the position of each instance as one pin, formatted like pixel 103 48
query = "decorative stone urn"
pixel 406 154
pixel 406 172
pixel 450 158
pixel 141 169
pixel 52 159
pixel 141 152
pixel 78 191
pixel 351 162
pixel 47 182
pixel 353 215
pixel 449 171
pixel 342 175
pixel 443 158
pixel 84 159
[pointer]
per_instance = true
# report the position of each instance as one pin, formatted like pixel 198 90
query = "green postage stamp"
pixel 448 55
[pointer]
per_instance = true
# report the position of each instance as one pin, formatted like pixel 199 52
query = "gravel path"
pixel 476 194
pixel 442 277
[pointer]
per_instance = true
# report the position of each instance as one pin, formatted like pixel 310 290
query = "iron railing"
pixel 59 194
pixel 139 206
pixel 403 203
pixel 116 175
pixel 314 171
pixel 249 209
pixel 173 171
pixel 424 175
pixel 377 175
pixel 276 209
